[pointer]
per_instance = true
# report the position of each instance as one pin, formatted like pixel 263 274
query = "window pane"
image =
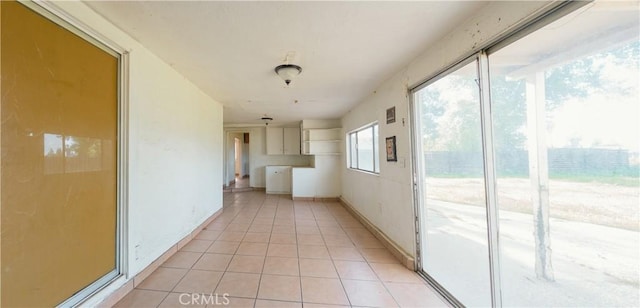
pixel 566 130
pixel 376 149
pixel 455 249
pixel 365 149
pixel 353 152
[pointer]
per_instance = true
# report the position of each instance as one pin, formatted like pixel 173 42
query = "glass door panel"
pixel 566 124
pixel 453 217
pixel 59 163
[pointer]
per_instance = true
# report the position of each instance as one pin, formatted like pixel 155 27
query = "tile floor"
pixel 269 251
pixel 241 184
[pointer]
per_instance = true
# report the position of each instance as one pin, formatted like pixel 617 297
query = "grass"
pixel 619 180
pixel 625 181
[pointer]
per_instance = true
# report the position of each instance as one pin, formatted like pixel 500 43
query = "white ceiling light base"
pixel 266 120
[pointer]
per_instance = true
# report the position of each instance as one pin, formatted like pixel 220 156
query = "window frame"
pixel 351 157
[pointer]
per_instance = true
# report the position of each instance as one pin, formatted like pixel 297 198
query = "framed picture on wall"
pixel 391 149
pixel 391 115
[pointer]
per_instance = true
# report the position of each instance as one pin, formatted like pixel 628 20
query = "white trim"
pixel 419 204
pixel 91 289
pixel 51 11
pixel 376 154
pixel 415 142
pixel 123 166
pixel 490 181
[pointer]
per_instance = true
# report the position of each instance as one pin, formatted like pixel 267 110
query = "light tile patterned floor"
pixel 269 251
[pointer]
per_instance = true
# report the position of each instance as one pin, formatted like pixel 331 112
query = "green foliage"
pixel 450 115
pixel 585 76
pixel 451 122
pixel 508 107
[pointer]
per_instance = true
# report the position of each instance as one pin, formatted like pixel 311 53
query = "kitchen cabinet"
pixel 283 141
pixel 278 179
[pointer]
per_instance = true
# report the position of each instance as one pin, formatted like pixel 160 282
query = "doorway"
pixel 237 164
pixel 241 179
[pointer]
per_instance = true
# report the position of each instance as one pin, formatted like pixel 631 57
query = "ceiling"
pixel 230 48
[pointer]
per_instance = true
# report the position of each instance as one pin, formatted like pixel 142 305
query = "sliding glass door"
pixel 59 164
pixel 528 169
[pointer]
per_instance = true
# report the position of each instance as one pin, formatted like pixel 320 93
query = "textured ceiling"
pixel 229 49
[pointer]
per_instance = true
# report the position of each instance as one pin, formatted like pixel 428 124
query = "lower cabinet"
pixel 278 179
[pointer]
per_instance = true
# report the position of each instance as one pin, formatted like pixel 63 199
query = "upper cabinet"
pixel 321 141
pixel 291 140
pixel 283 141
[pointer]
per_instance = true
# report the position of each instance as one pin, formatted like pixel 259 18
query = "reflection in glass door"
pixel 450 169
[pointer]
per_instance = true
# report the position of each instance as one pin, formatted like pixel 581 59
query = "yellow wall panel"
pixel 58 164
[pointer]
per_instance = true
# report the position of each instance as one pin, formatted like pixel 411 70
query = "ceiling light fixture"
pixel 266 120
pixel 288 71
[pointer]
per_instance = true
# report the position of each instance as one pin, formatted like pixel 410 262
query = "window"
pixel 363 149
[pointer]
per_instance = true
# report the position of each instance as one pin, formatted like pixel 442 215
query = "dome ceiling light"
pixel 288 71
pixel 266 119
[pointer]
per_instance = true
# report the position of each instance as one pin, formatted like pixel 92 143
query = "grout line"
pixel 295 234
pixel 163 299
pixel 334 264
pixel 234 253
pixel 241 209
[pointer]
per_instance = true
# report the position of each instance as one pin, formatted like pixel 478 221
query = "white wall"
pixel 322 180
pixel 175 149
pixel 175 158
pixel 386 199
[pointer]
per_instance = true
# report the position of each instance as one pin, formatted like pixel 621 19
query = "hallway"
pixel 269 251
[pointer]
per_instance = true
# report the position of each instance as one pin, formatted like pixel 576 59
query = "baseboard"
pixel 326 199
pixel 302 198
pixel 244 189
pixel 121 292
pixel 406 259
pixel 317 199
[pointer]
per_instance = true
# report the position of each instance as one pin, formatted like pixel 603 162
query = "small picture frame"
pixel 391 149
pixel 391 115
